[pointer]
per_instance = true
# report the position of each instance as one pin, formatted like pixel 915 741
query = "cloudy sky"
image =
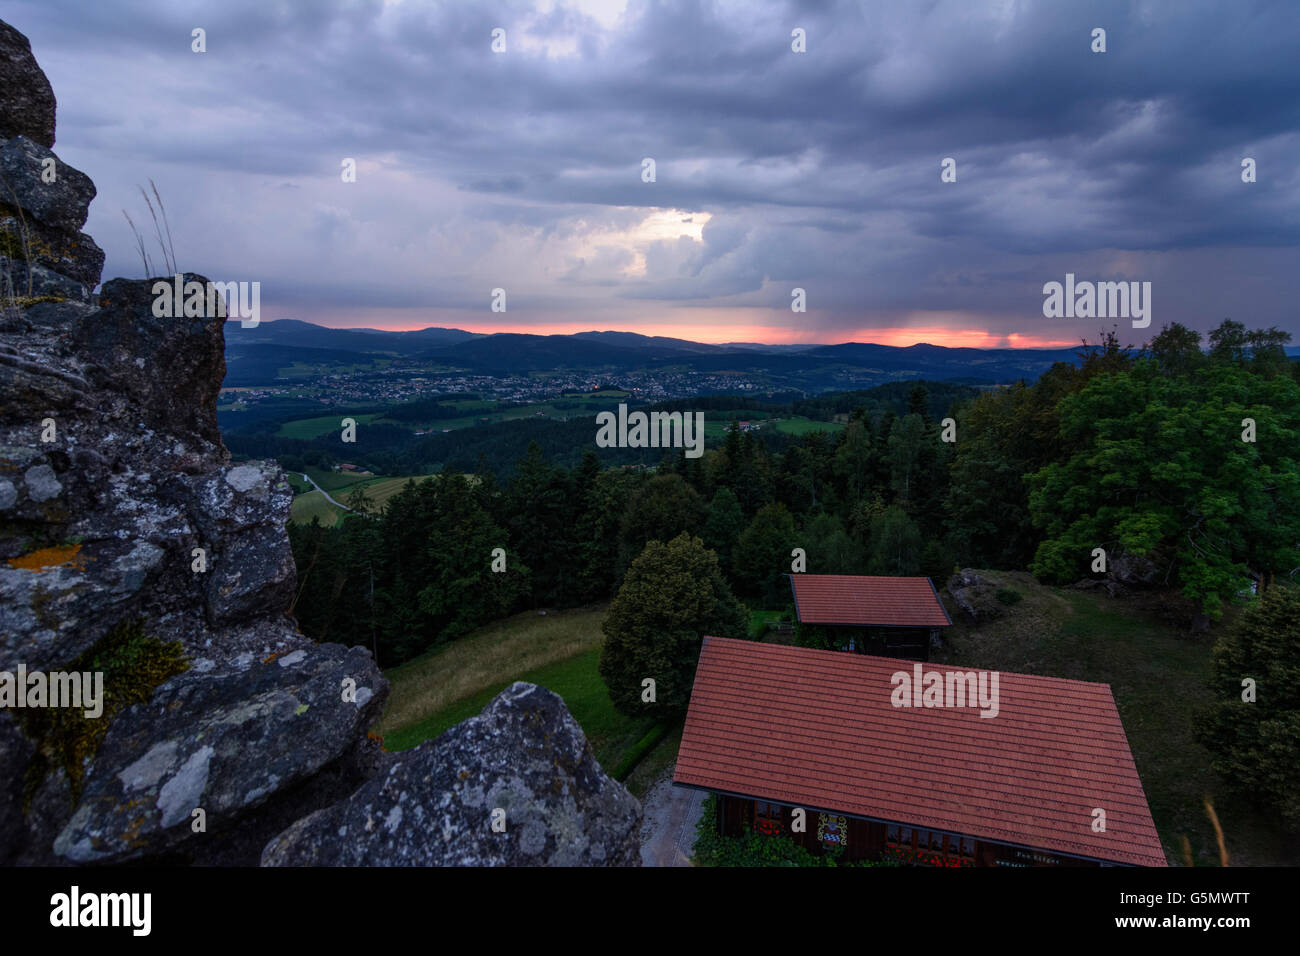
pixel 774 169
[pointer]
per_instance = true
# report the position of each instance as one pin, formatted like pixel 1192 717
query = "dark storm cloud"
pixel 523 169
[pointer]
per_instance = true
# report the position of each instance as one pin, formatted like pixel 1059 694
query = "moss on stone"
pixel 11 246
pixel 40 604
pixel 133 665
pixel 27 301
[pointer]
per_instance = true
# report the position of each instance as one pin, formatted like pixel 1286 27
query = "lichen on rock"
pixel 433 805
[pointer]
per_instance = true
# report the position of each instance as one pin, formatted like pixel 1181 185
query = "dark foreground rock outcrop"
pixel 524 759
pixel 131 545
pixel 28 99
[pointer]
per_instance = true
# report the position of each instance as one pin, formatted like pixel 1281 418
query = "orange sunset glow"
pixel 717 334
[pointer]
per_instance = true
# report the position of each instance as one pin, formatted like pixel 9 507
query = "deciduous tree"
pixel 672 596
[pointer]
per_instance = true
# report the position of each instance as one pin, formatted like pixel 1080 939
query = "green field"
pixel 379 490
pixel 307 370
pixel 306 429
pixel 716 428
pixel 333 481
pixel 313 505
pixel 1158 677
pixel 309 503
pixel 560 651
pixel 473 412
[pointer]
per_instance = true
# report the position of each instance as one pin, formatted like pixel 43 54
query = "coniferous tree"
pixel 762 556
pixel 663 507
pixel 723 526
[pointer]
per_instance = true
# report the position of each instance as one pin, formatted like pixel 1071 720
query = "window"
pixel 928 847
pixel 896 835
pixel 768 817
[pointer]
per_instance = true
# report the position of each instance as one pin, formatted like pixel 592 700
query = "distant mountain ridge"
pixel 299 334
pixel 254 355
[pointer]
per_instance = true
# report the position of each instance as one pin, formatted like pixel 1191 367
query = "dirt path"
pixel 668 833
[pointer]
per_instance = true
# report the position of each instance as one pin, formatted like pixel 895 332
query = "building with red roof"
pixel 890 616
pixel 890 759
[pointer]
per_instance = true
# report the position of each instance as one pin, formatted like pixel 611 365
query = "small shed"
pixel 887 616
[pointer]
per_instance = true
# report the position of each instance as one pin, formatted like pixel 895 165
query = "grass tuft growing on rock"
pixel 133 665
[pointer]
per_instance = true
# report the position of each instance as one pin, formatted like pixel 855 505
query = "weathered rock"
pixel 164 373
pixel 15 753
pixel 43 201
pixel 224 742
pixel 27 100
pixel 112 473
pixel 100 528
pixel 432 806
pixel 24 241
pixel 975 596
pixel 1133 570
pixel 39 282
pixel 59 198
pixel 1112 587
pixel 113 477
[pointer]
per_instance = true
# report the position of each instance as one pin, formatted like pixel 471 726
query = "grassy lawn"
pixel 758 622
pixel 1158 676
pixel 576 680
pixel 491 657
pixel 560 652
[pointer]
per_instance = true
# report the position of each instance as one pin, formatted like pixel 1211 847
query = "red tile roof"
pixel 867 601
pixel 817 729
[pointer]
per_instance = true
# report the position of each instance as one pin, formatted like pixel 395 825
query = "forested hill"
pixel 1182 464
pixel 388 444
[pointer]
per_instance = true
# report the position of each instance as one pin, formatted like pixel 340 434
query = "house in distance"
pixel 886 616
pixel 820 746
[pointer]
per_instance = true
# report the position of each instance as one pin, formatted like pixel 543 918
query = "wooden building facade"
pixel 858 839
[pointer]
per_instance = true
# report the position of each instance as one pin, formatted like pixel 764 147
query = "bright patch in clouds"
pixel 554 45
pixel 661 225
pixel 605 12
